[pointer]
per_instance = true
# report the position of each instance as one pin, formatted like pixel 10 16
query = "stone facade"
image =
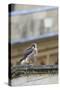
pixel 47 51
pixel 31 26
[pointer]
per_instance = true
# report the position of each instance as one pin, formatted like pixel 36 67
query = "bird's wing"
pixel 28 51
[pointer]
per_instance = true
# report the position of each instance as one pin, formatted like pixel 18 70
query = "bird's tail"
pixel 19 62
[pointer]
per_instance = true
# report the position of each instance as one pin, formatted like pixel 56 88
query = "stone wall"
pixel 47 51
pixel 33 25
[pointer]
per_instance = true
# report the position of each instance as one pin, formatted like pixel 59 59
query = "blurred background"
pixel 29 21
pixel 32 23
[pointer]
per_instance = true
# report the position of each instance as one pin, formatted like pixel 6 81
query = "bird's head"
pixel 34 47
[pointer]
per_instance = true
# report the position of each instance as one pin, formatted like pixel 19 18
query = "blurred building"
pixel 31 24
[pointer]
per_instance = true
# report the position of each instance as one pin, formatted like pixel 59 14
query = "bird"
pixel 29 54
